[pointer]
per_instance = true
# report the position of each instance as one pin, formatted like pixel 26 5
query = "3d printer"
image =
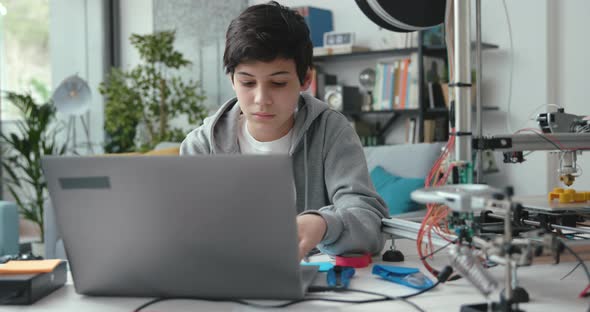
pixel 465 215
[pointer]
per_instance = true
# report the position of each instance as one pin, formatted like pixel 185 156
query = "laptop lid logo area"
pixel 87 183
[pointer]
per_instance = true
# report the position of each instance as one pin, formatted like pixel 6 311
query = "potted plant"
pixel 22 150
pixel 141 102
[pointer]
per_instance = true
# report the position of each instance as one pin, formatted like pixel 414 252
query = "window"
pixel 24 50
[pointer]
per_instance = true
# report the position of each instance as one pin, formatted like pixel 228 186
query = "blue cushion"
pixel 395 190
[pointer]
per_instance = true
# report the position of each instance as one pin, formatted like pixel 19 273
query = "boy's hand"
pixel 311 229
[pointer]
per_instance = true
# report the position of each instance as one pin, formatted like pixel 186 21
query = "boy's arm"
pixel 354 218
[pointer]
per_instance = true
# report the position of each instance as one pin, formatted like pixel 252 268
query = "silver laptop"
pixel 166 226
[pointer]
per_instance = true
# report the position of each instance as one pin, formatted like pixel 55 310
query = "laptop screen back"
pixel 195 226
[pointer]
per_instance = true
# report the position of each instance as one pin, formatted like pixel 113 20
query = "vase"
pixel 38 249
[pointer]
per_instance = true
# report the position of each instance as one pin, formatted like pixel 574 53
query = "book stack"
pixel 396 82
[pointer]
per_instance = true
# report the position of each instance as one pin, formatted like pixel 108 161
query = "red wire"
pixel 444 154
pixel 584 292
pixel 436 167
pixel 430 207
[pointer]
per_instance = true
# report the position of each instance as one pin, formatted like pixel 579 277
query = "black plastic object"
pixel 406 16
pixel 393 255
pixel 519 295
pixel 24 289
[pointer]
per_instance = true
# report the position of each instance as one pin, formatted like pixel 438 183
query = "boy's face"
pixel 268 93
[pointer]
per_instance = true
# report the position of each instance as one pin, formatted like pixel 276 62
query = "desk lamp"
pixel 72 98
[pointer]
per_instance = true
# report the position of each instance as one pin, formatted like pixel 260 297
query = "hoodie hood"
pixel 221 129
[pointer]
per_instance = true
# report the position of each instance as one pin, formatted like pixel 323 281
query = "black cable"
pixel 571 271
pixel 439 249
pixel 257 305
pixel 548 140
pixel 286 304
pixel 436 272
pixel 442 277
pixel 386 297
pixel 582 263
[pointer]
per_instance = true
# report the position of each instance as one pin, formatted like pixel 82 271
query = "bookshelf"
pixel 378 122
pixel 440 51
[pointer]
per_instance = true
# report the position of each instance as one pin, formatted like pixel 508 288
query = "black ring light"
pixel 404 15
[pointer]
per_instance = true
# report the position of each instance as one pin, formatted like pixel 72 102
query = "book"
pixel 429 130
pixel 434 68
pixel 430 96
pixel 445 91
pixel 386 90
pixel 411 131
pixel 404 83
pixel 435 95
pixel 377 91
pixel 396 86
pixel 441 129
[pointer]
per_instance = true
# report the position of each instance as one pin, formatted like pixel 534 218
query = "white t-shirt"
pixel 249 145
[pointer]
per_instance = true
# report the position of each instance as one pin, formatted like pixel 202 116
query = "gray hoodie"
pixel 329 169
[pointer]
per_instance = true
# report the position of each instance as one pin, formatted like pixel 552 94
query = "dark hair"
pixel 265 32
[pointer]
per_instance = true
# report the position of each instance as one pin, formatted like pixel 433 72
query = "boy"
pixel 268 57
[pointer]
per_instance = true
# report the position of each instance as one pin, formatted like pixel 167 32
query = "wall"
pixel 550 67
pixel 201 39
pixel 530 81
pixel 136 17
pixel 572 67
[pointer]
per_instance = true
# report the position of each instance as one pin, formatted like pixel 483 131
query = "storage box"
pixel 319 22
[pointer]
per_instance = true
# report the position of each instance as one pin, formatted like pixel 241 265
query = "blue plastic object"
pixel 323 266
pixel 8 228
pixel 340 276
pixel 411 277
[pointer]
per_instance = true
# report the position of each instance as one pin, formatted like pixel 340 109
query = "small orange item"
pixel 29 266
pixel 569 196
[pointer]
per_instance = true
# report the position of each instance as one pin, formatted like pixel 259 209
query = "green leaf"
pixel 150 94
pixel 24 145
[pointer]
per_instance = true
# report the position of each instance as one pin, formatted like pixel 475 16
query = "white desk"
pixel 542 282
